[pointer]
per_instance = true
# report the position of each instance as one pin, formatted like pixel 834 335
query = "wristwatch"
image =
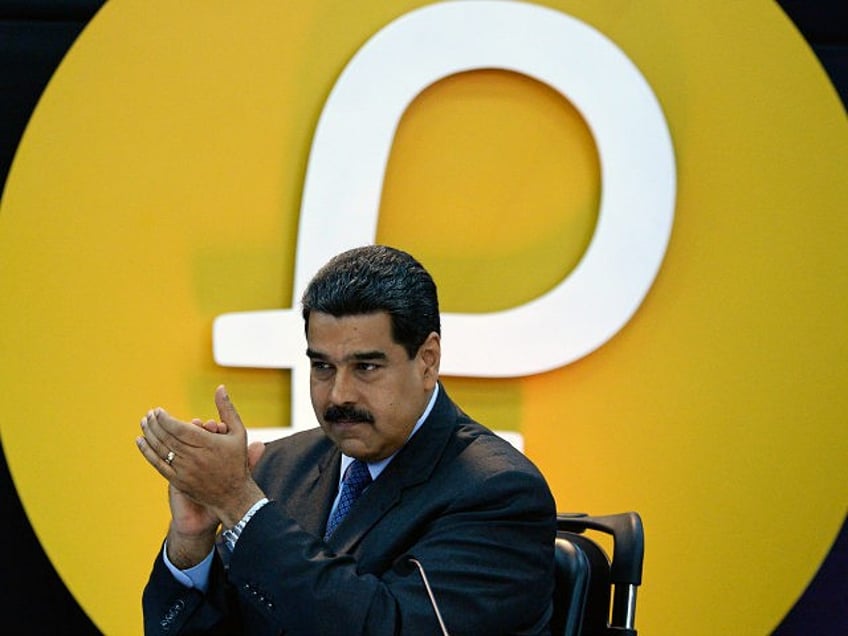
pixel 232 535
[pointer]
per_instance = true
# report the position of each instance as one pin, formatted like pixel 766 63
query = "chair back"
pixel 593 594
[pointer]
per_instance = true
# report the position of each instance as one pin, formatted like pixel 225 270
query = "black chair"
pixel 595 595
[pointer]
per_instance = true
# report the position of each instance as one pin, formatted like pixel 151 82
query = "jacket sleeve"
pixel 171 608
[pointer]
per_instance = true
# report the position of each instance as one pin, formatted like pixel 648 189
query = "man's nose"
pixel 343 390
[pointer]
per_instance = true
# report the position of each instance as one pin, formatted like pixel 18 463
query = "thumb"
pixel 227 411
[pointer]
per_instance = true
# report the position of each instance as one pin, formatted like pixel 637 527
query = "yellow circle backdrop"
pixel 158 184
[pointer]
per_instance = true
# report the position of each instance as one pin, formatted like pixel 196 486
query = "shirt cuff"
pixel 194 577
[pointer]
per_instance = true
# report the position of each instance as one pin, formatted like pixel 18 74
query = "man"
pixel 430 484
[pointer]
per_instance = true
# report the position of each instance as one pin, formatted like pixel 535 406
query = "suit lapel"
pixel 314 495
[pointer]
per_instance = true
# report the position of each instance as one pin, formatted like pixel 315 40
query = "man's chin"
pixel 355 449
pixel 346 438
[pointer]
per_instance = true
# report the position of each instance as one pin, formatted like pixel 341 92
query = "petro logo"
pixel 341 199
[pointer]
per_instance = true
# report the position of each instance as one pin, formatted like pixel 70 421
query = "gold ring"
pixel 170 457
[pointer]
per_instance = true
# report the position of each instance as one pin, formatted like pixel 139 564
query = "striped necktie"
pixel 357 478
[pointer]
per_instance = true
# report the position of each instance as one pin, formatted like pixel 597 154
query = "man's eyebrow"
pixel 370 355
pixel 359 355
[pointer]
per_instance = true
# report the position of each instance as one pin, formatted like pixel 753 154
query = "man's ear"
pixel 430 354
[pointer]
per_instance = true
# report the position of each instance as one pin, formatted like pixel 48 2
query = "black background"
pixel 34 36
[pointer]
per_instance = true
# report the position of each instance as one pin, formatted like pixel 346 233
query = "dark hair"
pixel 373 279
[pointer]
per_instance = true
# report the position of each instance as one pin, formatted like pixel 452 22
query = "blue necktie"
pixel 356 480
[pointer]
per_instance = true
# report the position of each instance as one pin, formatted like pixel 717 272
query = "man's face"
pixel 366 392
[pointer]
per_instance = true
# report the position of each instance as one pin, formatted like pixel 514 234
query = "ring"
pixel 170 457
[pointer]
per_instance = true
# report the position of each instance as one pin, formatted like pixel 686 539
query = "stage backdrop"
pixel 158 186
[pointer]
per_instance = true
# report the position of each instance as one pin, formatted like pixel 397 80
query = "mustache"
pixel 347 414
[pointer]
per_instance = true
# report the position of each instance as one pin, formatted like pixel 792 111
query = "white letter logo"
pixel 344 179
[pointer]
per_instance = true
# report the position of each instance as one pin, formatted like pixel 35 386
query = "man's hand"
pixel 254 449
pixel 192 531
pixel 207 465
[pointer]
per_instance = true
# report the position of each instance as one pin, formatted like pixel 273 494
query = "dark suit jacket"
pixel 473 510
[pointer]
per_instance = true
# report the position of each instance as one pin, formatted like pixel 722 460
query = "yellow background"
pixel 158 184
